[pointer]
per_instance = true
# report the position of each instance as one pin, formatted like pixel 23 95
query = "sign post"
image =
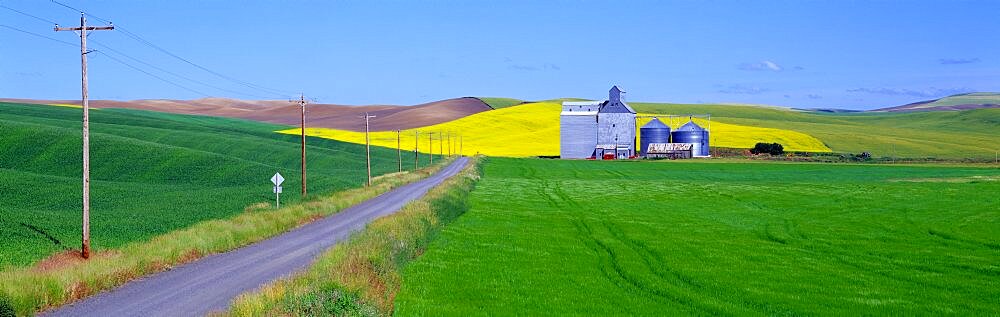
pixel 277 180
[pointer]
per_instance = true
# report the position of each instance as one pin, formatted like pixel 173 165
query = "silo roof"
pixel 616 107
pixel 690 126
pixel 582 103
pixel 655 124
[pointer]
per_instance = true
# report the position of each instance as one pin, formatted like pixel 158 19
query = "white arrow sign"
pixel 277 179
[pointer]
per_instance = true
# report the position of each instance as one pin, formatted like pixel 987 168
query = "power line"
pixel 120 61
pixel 152 75
pixel 223 76
pixel 138 38
pixel 173 73
pixel 107 47
pixel 38 35
pixel 69 7
pixel 27 14
pixel 109 56
pixel 81 11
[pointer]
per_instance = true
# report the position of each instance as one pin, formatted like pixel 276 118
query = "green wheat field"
pixel 557 238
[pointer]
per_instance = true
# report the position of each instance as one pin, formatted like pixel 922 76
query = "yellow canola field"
pixel 533 130
pixel 67 105
pixel 745 137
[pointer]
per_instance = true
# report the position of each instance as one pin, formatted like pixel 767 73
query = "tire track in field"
pixel 615 271
pixel 611 269
pixel 888 267
pixel 652 259
pixel 724 305
pixel 962 240
pixel 785 232
pixel 610 259
pixel 616 172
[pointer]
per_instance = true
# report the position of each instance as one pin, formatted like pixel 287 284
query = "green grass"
pixel 151 173
pixel 945 134
pixel 498 103
pixel 548 237
pixel 965 99
pixel 29 290
pixel 360 277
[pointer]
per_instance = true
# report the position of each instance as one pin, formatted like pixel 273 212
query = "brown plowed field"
pixel 317 115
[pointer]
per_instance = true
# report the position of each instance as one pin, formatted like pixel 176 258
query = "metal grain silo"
pixel 578 129
pixel 694 134
pixel 653 132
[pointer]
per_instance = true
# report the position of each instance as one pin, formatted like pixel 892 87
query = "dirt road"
pixel 210 284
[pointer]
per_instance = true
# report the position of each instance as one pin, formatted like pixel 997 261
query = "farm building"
pixel 595 129
pixel 694 134
pixel 669 150
pixel 578 129
pixel 655 131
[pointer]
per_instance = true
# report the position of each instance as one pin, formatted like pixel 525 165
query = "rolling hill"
pixel 976 100
pixel 284 112
pixel 151 173
pixel 497 102
pixel 942 134
pixel 512 127
pixel 532 129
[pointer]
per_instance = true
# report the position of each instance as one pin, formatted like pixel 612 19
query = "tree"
pixel 769 148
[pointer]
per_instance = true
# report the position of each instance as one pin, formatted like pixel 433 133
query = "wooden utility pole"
pixel 85 250
pixel 441 143
pixel 368 151
pixel 430 146
pixel 399 150
pixel 416 148
pixel 461 144
pixel 302 105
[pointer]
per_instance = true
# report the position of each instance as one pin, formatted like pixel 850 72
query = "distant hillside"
pixel 944 134
pixel 498 103
pixel 318 115
pixel 532 129
pixel 529 129
pixel 957 102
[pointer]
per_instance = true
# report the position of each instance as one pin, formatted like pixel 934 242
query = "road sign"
pixel 277 179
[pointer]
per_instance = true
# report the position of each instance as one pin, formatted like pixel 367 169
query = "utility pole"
pixel 85 250
pixel 416 148
pixel 399 150
pixel 368 152
pixel 302 105
pixel 441 143
pixel 461 145
pixel 430 146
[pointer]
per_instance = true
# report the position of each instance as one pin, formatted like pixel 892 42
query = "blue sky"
pixel 815 54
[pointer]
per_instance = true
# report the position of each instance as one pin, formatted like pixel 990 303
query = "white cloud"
pixel 761 66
